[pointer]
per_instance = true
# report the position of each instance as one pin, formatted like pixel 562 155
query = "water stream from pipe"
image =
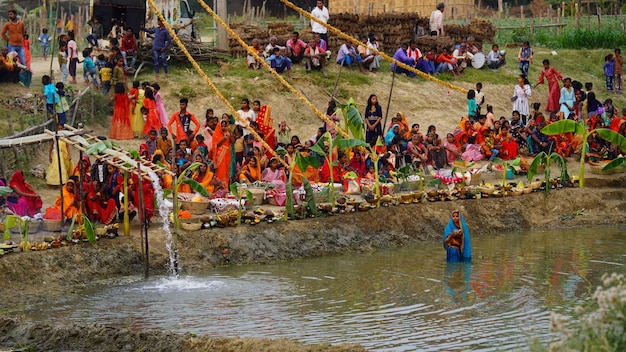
pixel 164 211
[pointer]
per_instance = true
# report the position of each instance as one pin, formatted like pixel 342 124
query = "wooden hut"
pixel 455 9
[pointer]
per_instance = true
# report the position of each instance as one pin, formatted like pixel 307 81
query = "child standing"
pixel 120 124
pixel 525 58
pixel 471 106
pixel 105 77
pixel 61 104
pixel 44 41
pixel 89 68
pixel 63 61
pixel 609 71
pixel 619 63
pixel 152 118
pixel 49 92
pixel 480 97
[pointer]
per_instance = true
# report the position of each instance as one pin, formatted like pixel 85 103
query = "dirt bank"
pixel 43 277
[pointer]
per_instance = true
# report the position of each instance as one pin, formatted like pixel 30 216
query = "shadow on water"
pixel 392 300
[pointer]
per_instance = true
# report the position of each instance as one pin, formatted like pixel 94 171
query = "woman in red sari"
pixel 153 121
pixel 221 152
pixel 553 76
pixel 508 149
pixel 120 125
pixel 25 191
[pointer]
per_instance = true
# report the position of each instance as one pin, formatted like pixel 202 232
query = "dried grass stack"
pixel 393 29
pixel 247 32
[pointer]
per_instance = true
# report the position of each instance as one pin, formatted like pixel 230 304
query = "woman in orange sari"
pixel 222 152
pixel 463 131
pixel 25 191
pixel 251 171
pixel 71 203
pixel 405 129
pixel 205 178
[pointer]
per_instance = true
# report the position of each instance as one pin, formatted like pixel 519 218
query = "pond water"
pixel 403 299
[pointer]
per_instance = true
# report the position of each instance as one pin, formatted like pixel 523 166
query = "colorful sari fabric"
pixel 70 203
pixel 52 173
pixel 148 196
pixel 509 147
pixel 553 77
pixel 453 254
pixel 152 119
pixel 86 169
pixel 221 156
pixel 26 192
pixel 136 119
pixel 463 131
pixel 205 180
pixel 250 174
pixel 390 135
pixel 99 206
pixel 120 124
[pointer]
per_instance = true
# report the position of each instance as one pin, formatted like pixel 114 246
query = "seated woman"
pixel 508 145
pixel 452 151
pixel 337 170
pixel 436 153
pixel 100 206
pixel 357 164
pixel 391 134
pixel 417 151
pixel 206 178
pixel 276 176
pixel 456 239
pixel 472 151
pixel 28 202
pixel 71 201
pixel 250 171
pixel 85 164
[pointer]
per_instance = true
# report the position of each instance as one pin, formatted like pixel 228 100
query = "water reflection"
pixel 457 281
pixel 391 300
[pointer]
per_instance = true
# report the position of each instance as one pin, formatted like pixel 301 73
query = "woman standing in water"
pixel 456 239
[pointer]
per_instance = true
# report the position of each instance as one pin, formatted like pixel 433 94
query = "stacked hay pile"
pixel 391 30
pixel 247 32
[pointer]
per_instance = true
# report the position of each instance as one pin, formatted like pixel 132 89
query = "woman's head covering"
pixel 391 134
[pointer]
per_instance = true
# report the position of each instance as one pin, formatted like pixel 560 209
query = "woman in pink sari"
pixel 553 76
pixel 26 195
pixel 276 176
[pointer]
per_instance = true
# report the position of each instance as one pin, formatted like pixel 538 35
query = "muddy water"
pixel 401 299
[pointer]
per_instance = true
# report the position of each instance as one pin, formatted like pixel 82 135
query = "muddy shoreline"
pixel 40 277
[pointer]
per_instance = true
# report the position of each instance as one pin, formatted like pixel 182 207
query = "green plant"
pixel 11 221
pixel 353 120
pixel 234 189
pixel 571 126
pixel 506 166
pixel 546 159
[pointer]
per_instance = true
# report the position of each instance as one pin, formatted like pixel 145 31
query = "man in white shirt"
pixel 495 59
pixel 436 20
pixel 269 49
pixel 321 13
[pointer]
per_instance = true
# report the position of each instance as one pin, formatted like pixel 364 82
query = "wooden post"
pixel 577 16
pixel 521 10
pixel 558 21
pixel 500 7
pixel 222 37
pixel 8 114
pixel 599 17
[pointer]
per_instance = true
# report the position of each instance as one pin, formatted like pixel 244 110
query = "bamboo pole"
pixel 126 215
pixel 393 78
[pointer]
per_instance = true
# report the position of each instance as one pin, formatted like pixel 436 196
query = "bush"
pixel 601 326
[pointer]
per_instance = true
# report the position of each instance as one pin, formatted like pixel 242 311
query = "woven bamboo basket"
pixel 51 225
pixel 197 208
pixel 191 226
pixel 475 180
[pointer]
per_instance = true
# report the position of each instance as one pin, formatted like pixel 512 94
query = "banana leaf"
pixel 303 162
pixel 615 163
pixel 561 163
pixel 196 187
pixel 318 147
pixel 612 137
pixel 280 151
pixel 539 159
pixel 309 196
pixel 184 173
pixel 289 203
pixel 563 126
pixel 233 188
pixel 10 221
pixel 71 229
pixel 345 143
pixel 134 154
pixel 5 190
pixel 96 148
pixel 91 235
pixel 353 119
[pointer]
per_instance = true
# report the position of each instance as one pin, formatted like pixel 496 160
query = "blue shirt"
pixel 88 64
pixel 44 39
pixel 162 38
pixel 49 91
pixel 609 68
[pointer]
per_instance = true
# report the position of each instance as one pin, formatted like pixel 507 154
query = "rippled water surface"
pixel 402 299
